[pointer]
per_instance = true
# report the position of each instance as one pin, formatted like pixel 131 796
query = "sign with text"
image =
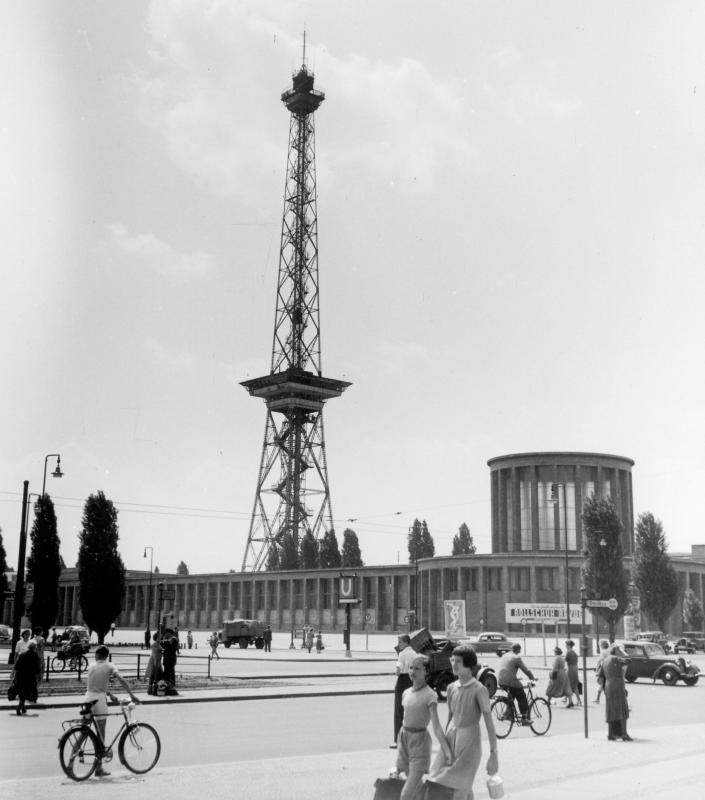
pixel 543 612
pixel 454 614
pixel 347 589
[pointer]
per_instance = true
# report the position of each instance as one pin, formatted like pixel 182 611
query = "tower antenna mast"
pixel 292 498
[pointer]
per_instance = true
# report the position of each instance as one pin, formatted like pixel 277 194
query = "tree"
pixel 351 555
pixel 288 555
pixel 182 569
pixel 309 551
pixel 693 616
pixel 604 576
pixel 273 558
pixel 101 573
pixel 462 542
pixel 328 552
pixel 3 567
pixel 420 542
pixel 44 564
pixel 157 571
pixel 654 575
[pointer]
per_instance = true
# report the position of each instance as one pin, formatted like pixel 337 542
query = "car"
pixel 489 642
pixel 698 638
pixel 5 633
pixel 683 645
pixel 647 660
pixel 73 632
pixel 657 637
pixel 440 675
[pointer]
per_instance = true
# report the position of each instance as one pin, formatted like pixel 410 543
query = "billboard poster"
pixel 525 613
pixel 454 615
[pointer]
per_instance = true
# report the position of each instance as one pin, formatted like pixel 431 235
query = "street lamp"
pixel 149 592
pixel 19 580
pixel 554 499
pixel 416 577
pixel 57 473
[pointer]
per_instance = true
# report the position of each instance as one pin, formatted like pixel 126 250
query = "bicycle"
pixel 64 659
pixel 81 746
pixel 505 713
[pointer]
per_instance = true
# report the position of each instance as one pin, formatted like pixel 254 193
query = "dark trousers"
pixel 617 728
pixel 520 696
pixel 403 682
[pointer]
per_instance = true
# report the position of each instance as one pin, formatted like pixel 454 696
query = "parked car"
pixel 683 645
pixel 5 633
pixel 657 637
pixel 81 633
pixel 698 637
pixel 489 642
pixel 647 660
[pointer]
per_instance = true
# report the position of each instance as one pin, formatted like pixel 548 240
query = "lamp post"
pixel 19 581
pixel 149 592
pixel 554 499
pixel 57 473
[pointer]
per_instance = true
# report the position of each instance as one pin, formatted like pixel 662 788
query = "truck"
pixel 243 632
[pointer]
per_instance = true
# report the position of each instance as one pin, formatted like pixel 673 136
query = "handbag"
pixel 388 788
pixel 580 687
pixel 12 691
pixel 436 791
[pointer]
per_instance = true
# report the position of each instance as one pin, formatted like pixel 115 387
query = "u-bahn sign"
pixel 543 612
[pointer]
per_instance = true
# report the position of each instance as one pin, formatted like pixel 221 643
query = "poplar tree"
pixel 328 552
pixel 309 551
pixel 351 555
pixel 44 565
pixel 462 542
pixel 654 575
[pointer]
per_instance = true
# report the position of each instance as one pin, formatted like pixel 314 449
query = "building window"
pixel 325 592
pixel 494 579
pixel 546 578
pixel 525 504
pixel 519 580
pixel 588 489
pixel 451 580
pixel 547 510
pixel 369 592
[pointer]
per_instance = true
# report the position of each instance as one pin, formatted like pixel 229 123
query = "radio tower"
pixel 293 495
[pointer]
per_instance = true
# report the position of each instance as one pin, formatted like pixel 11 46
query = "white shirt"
pixel 406 658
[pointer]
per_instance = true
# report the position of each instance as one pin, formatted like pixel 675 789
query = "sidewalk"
pixel 665 762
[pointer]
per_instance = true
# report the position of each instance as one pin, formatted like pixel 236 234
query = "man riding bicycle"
pixel 510 664
pixel 97 681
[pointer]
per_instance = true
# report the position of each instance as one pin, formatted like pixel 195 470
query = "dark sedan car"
pixel 489 642
pixel 647 660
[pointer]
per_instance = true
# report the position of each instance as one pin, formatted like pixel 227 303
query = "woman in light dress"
pixel 468 702
pixel 558 683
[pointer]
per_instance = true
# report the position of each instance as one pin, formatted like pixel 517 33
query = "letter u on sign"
pixel 347 588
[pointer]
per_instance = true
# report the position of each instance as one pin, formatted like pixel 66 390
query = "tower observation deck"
pixel 292 498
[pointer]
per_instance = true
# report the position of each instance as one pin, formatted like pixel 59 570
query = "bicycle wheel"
pixel 139 747
pixel 58 664
pixel 78 753
pixel 502 716
pixel 84 663
pixel 539 716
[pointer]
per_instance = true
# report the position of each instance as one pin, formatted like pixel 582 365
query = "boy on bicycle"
pixel 97 681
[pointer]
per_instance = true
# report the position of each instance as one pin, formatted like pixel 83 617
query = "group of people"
pixel 309 639
pixel 564 678
pixel 28 665
pixel 161 666
pixel 415 707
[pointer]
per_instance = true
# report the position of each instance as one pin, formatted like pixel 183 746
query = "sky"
pixel 511 240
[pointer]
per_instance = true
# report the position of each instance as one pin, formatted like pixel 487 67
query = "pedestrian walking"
pixel 611 670
pixel 558 683
pixel 267 636
pixel 25 676
pixel 154 666
pixel 147 639
pixel 420 704
pixel 468 702
pixel 53 639
pixel 571 661
pixel 22 644
pixel 604 652
pixel 406 654
pixel 309 639
pixel 112 630
pixel 189 640
pixel 319 643
pixel 40 642
pixel 214 641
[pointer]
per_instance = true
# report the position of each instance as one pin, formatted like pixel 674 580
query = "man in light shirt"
pixel 405 660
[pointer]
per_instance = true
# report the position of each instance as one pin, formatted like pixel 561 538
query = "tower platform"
pixel 295 389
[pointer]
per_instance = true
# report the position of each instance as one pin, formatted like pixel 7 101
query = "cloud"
pixel 162 258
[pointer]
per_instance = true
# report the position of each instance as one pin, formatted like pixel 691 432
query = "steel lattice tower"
pixel 293 495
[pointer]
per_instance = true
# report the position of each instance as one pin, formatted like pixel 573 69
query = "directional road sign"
pixel 611 604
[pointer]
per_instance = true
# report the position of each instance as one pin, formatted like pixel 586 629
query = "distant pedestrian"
pixel 26 674
pixel 404 661
pixel 40 641
pixel 571 661
pixel 170 648
pixel 54 638
pixel 147 639
pixel 319 643
pixel 112 630
pixel 309 639
pixel 616 708
pixel 558 683
pixel 267 636
pixel 189 640
pixel 154 666
pixel 604 652
pixel 214 645
pixel 22 643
